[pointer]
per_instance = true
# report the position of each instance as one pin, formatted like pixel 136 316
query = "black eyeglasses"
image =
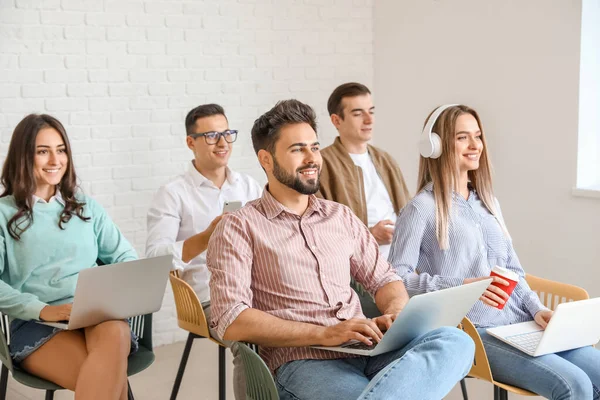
pixel 230 135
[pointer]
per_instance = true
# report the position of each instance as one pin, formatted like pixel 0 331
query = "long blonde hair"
pixel 444 173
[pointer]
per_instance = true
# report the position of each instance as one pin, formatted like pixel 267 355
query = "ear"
pixel 336 120
pixel 266 160
pixel 190 142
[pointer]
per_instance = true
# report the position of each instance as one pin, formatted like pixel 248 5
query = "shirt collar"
pixel 198 179
pixel 273 208
pixel 429 187
pixel 57 196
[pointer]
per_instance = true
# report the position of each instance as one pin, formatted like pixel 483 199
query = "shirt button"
pixel 314 248
pixel 482 248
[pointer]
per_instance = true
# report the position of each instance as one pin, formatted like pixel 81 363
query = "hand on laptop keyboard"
pixel 359 346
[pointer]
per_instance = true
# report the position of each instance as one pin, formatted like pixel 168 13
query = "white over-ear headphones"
pixel 430 145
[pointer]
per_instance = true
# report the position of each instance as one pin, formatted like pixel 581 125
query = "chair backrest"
pixel 190 315
pixel 481 366
pixel 553 293
pixel 259 381
pixel 4 338
pixel 141 325
pixel 369 308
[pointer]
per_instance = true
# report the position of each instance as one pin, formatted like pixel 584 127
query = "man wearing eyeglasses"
pixel 186 210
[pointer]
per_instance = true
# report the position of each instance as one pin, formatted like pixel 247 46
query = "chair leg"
pixel 182 364
pixel 221 373
pixel 503 394
pixel 129 391
pixel 497 393
pixel 49 395
pixel 463 388
pixel 3 382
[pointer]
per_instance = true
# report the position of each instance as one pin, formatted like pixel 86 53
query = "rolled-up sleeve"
pixel 367 266
pixel 229 260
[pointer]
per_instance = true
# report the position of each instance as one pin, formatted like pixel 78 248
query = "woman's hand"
pixel 56 313
pixel 543 317
pixel 493 295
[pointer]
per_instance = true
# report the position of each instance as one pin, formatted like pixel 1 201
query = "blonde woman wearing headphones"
pixel 452 232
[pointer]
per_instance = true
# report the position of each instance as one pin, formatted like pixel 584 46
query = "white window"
pixel 588 157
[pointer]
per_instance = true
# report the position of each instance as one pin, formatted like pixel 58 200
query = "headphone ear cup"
pixel 437 145
pixel 425 147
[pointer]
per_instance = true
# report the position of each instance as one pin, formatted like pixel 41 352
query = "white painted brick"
pixel 113 48
pixel 127 89
pixel 44 90
pixel 121 212
pixel 111 131
pixel 165 142
pixel 202 62
pixel 86 62
pixel 187 103
pixel 239 10
pixel 110 159
pixel 166 62
pixel 243 38
pixel 213 23
pixel 169 170
pixel 167 34
pixel 222 74
pixel 148 183
pixel 166 89
pixel 292 73
pixel 147 76
pixel 180 154
pixel 64 18
pixel 87 89
pixel 20 17
pixel 20 76
pixel 27 61
pixel 182 48
pixel 167 116
pixel 134 198
pixel 101 75
pixel 9 61
pixel 13 46
pixel 65 76
pixel 140 211
pixel 133 171
pixel 304 60
pixel 9 90
pixel 257 74
pixel 163 7
pixel 149 157
pixel 130 117
pixel 146 48
pixel 93 174
pixel 201 8
pixel 123 6
pixel 233 61
pixel 81 160
pixel 145 20
pixel 105 19
pixel 239 87
pixel 17 104
pixel 112 186
pixel 272 87
pixel 198 35
pixel 119 33
pixel 249 22
pixel 109 103
pixel 67 104
pixel 79 133
pixel 38 4
pixel 220 49
pixel 203 88
pixel 128 145
pixel 84 32
pixel 148 103
pixel 90 146
pixel 90 118
pixel 81 5
pixel 31 32
pixel 127 62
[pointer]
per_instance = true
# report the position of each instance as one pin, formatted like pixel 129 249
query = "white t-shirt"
pixel 379 203
pixel 186 206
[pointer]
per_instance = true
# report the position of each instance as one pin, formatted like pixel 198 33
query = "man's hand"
pixel 359 329
pixel 543 317
pixel 493 295
pixel 198 243
pixel 56 313
pixel 385 321
pixel 382 233
pixel 211 228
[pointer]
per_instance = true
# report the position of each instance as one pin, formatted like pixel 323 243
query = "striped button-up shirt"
pixel 477 243
pixel 293 267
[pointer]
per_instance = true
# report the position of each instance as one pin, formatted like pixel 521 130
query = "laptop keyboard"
pixel 528 341
pixel 359 346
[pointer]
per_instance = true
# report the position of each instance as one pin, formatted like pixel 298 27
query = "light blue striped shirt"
pixel 476 244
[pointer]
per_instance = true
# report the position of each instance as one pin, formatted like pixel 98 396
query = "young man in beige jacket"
pixel 354 173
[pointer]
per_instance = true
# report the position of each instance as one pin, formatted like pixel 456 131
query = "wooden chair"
pixel 551 294
pixel 191 317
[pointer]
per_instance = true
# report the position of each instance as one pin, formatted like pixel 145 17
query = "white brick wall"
pixel 121 75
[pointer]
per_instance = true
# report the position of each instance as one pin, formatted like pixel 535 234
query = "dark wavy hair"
pixel 18 178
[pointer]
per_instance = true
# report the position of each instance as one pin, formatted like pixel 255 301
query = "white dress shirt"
pixel 186 206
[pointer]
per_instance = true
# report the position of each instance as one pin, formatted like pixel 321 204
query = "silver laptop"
pixel 573 325
pixel 422 314
pixel 118 291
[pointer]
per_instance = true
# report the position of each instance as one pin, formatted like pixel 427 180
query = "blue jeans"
pixel 426 368
pixel 568 375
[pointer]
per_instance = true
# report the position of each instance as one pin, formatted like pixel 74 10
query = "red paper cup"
pixel 507 275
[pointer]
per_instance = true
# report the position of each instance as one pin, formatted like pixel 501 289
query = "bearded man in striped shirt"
pixel 280 277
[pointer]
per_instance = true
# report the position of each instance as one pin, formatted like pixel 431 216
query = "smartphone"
pixel 231 206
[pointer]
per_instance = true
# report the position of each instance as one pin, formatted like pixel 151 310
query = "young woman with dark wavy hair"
pixel 49 231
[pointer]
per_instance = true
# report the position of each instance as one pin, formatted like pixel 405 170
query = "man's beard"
pixel 293 181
